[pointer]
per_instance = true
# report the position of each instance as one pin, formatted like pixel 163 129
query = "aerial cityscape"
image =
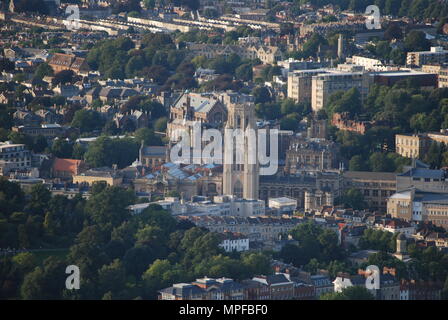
pixel 223 150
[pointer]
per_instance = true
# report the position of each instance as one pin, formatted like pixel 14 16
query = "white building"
pixel 369 64
pixel 220 206
pixel 283 204
pixel 234 242
pixel 13 157
pixel 434 55
pixel 397 226
pixel 324 85
pixel 169 203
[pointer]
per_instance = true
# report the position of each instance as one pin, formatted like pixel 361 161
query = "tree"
pixel 31 6
pixel 161 124
pixel 377 240
pixel 63 77
pixel 244 72
pixel 45 282
pixel 88 251
pixel 62 148
pixel 357 163
pixel 112 277
pixel 261 94
pixel 43 70
pixel 434 155
pixel 325 249
pixel 105 151
pixel 290 122
pixel 353 198
pixel 416 41
pixel 6 65
pixel 350 293
pixel 31 288
pixel 134 66
pixel 379 162
pixel 86 120
pixel 349 101
pixel 393 31
pixel 108 207
pixel 148 137
pixel 149 4
pixel 333 296
pixel 25 261
pixel 78 151
pixel 268 111
pixel 39 198
pixel 12 197
pixel 159 275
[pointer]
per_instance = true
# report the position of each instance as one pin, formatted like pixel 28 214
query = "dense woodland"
pixel 124 256
pixel 120 256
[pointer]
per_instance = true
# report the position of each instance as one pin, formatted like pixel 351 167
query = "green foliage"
pixel 105 151
pixel 383 259
pixel 86 120
pixel 437 155
pixel 352 198
pixel 350 293
pixel 310 47
pixel 349 101
pixel 416 41
pixel 378 240
pixel 62 148
pixel 244 72
pixel 63 77
pixel 108 207
pixel 11 197
pixel 45 282
pixel 6 65
pixel 148 136
pixel 357 163
pixel 314 242
pixel 261 94
pixel 43 70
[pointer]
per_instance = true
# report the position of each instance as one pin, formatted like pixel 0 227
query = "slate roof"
pixel 423 173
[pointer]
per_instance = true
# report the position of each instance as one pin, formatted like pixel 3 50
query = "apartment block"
pixel 434 55
pixel 13 156
pixel 414 205
pixel 411 146
pixel 299 84
pixel 440 70
pixel 324 85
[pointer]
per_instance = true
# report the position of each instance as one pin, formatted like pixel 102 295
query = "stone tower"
pixel 241 168
pixel 401 251
pixel 401 244
pixel 340 47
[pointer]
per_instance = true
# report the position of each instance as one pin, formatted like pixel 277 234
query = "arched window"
pixel 212 188
pixel 238 189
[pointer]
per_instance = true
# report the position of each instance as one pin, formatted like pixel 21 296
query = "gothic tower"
pixel 240 168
